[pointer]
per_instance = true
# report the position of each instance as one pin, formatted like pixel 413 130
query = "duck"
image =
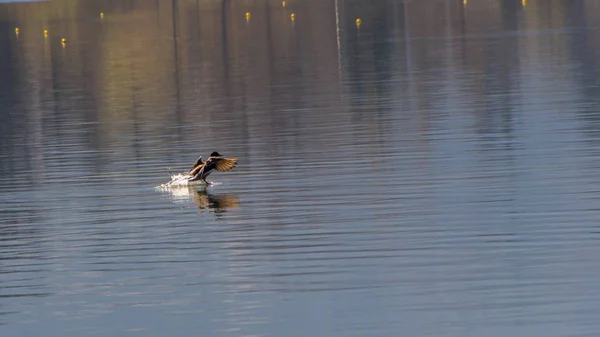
pixel 215 161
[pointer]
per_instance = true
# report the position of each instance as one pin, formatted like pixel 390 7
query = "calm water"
pixel 434 172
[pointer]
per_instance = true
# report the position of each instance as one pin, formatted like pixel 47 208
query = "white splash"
pixel 178 180
pixel 178 183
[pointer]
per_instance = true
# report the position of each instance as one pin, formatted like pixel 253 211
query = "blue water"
pixel 433 172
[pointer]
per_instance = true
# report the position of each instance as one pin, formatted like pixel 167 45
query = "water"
pixel 434 172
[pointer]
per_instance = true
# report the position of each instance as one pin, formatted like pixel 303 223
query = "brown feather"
pixel 225 164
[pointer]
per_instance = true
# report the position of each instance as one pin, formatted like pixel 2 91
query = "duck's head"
pixel 215 154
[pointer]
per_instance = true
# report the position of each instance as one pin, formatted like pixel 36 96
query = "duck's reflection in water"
pixel 205 199
pixel 218 203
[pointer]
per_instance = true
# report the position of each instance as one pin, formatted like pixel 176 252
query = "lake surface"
pixel 432 172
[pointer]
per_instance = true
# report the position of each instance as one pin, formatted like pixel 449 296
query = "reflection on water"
pixel 214 202
pixel 205 200
pixel 432 171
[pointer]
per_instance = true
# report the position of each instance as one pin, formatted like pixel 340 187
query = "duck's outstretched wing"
pixel 225 164
pixel 198 161
pixel 199 172
pixel 196 166
pixel 196 170
pixel 203 170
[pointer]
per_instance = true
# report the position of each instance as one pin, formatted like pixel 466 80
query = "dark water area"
pixel 434 171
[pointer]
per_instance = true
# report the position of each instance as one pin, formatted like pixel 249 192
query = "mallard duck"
pixel 215 161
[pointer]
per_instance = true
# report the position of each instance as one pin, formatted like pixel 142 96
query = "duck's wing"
pixel 194 171
pixel 196 165
pixel 198 172
pixel 225 164
pixel 198 161
pixel 203 170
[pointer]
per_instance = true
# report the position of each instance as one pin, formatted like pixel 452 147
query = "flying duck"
pixel 215 161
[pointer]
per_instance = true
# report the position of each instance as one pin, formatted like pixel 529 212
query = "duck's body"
pixel 215 161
